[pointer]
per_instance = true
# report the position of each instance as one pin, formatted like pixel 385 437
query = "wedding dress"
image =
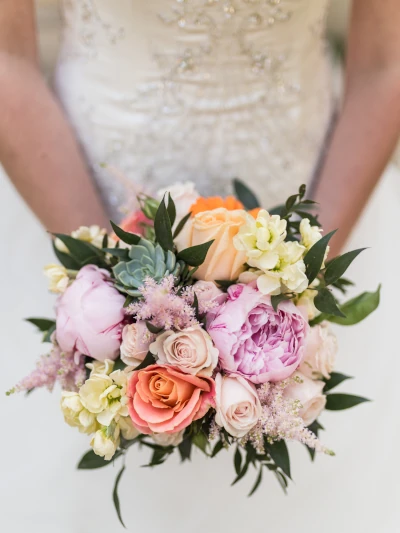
pixel 160 91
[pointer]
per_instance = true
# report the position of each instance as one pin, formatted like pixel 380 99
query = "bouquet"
pixel 200 322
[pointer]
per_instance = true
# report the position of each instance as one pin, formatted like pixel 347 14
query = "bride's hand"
pixel 37 146
pixel 369 124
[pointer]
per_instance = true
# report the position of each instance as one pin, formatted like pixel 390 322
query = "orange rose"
pixel 214 202
pixel 164 400
pixel 223 261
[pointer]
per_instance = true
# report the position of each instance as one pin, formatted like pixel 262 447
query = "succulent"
pixel 146 260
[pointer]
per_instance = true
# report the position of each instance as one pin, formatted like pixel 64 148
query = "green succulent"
pixel 146 260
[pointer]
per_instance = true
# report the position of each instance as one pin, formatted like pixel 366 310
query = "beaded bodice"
pixel 201 90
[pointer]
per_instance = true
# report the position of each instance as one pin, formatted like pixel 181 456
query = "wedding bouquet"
pixel 199 322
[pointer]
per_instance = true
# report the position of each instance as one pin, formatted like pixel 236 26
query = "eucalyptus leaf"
pixel 195 255
pixel 91 461
pixel 335 380
pixel 181 225
pixel 125 236
pixel 237 460
pixel 66 260
pixel 326 303
pixel 171 209
pixel 257 483
pixel 163 227
pixel 315 256
pixel 116 497
pixel 338 401
pixel 338 266
pixel 245 195
pixel 43 324
pixel 280 455
pixel 359 308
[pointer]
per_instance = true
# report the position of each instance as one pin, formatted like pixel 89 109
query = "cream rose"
pixel 136 340
pixel 223 260
pixel 191 350
pixel 321 350
pixel 309 393
pixel 168 439
pixel 237 404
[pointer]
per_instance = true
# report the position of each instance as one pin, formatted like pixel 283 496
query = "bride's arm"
pixel 369 124
pixel 37 146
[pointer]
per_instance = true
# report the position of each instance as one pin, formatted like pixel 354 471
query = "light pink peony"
pixel 255 341
pixel 161 399
pixel 321 350
pixel 90 315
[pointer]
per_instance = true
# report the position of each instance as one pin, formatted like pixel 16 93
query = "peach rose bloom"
pixel 223 261
pixel 164 400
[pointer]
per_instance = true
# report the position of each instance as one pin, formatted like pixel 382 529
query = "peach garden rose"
pixel 164 400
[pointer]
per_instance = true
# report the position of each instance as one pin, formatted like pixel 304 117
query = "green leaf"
pixel 125 236
pixel 237 460
pixel 121 253
pixel 200 440
pixel 152 328
pixel 313 220
pixel 66 260
pixel 245 195
pixel 302 192
pixel 282 481
pixel 181 225
pixel 48 334
pixel 242 472
pixel 80 250
pixel 225 284
pixel 185 449
pixel 257 483
pixel 338 266
pixel 316 255
pixel 358 308
pixel 314 428
pixel 148 360
pixel 217 448
pixel 116 497
pixel 335 380
pixel 326 303
pixel 162 227
pixel 128 300
pixel 338 401
pixel 276 300
pixel 196 255
pixel 43 324
pixel 171 209
pixel 90 460
pixel 290 202
pixel 280 455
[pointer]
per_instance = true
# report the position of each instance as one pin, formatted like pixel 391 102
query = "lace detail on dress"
pixel 215 89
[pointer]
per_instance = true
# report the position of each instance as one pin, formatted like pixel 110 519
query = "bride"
pixel 200 90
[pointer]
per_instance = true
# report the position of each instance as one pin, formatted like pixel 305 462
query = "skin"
pixel 41 155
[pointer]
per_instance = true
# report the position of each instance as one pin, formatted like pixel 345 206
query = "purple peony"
pixel 254 340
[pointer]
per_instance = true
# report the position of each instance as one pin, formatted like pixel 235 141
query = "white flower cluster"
pixel 100 407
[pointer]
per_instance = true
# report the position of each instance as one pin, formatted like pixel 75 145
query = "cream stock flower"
pixel 58 277
pixel 106 441
pixel 75 414
pixel 309 234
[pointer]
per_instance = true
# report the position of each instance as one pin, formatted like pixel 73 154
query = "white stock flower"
pixel 75 414
pixel 168 439
pixel 58 278
pixel 128 430
pixel 309 393
pixel 101 367
pixel 237 404
pixel 306 300
pixel 106 441
pixel 91 234
pixel 309 234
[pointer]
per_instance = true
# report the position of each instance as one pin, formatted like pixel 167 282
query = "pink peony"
pixel 255 341
pixel 161 399
pixel 90 315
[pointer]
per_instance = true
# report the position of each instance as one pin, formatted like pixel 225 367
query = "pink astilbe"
pixel 55 367
pixel 281 420
pixel 167 306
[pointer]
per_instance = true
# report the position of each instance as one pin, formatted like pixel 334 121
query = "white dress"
pixel 206 90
